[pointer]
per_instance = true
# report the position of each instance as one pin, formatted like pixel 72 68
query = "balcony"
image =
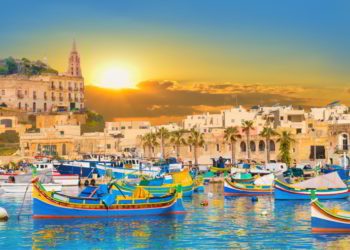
pixel 45 97
pixel 53 87
pixel 61 99
pixel 53 98
pixel 20 96
pixel 70 88
pixel 60 88
pixel 34 97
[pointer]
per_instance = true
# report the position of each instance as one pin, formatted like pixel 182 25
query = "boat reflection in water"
pixel 110 232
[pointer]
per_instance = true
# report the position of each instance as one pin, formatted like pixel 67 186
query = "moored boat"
pixel 56 205
pixel 21 187
pixel 328 186
pixel 328 220
pixel 232 188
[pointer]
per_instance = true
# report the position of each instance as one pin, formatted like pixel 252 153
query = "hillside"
pixel 9 66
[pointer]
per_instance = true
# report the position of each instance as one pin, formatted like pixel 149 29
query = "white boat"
pixel 21 187
pixel 63 179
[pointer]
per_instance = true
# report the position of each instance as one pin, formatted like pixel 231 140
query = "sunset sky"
pixel 190 55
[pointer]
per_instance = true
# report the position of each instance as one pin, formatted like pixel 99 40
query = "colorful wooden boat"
pixel 328 186
pixel 220 170
pixel 161 186
pixel 326 220
pixel 243 189
pixel 56 205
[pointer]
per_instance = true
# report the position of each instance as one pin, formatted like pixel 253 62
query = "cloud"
pixel 170 98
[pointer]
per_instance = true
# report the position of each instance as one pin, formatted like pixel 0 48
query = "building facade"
pixel 45 93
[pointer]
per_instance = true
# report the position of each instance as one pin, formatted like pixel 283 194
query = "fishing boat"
pixel 56 205
pixel 328 220
pixel 261 186
pixel 119 171
pixel 163 185
pixel 22 187
pixel 328 186
pixel 219 165
pixel 242 178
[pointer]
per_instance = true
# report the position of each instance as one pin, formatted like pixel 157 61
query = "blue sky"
pixel 249 41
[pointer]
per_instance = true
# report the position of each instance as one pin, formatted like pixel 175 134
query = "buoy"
pixel 204 203
pixel 264 213
pixel 210 195
pixel 254 199
pixel 3 214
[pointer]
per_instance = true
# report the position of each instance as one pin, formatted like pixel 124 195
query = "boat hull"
pixel 287 192
pixel 45 206
pixel 234 189
pixel 119 173
pixel 324 221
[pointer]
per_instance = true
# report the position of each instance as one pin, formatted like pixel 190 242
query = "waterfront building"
pixel 52 120
pixel 335 113
pixel 45 93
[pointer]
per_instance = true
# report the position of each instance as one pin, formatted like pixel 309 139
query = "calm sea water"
pixel 235 223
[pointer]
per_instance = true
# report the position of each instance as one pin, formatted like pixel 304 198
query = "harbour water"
pixel 234 222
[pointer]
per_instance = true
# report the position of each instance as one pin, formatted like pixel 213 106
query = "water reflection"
pixel 140 231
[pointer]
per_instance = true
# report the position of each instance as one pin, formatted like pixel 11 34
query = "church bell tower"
pixel 74 63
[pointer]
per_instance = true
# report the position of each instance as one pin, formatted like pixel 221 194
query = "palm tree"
pixel 247 126
pixel 149 140
pixel 285 139
pixel 176 138
pixel 267 133
pixel 196 140
pixel 163 134
pixel 231 134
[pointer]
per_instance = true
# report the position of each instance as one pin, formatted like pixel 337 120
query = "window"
pixel 252 146
pixel 190 148
pixel 45 107
pixel 298 131
pixel 108 146
pixel 217 147
pixel 34 106
pixel 243 146
pixel 19 105
pixel 261 146
pixel 272 145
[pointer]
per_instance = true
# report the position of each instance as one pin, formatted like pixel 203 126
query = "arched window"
pixel 252 146
pixel 261 146
pixel 243 146
pixel 272 145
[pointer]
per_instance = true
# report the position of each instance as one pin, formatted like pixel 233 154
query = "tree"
pixel 231 134
pixel 196 140
pixel 267 133
pixel 94 123
pixel 149 140
pixel 118 137
pixel 163 134
pixel 177 139
pixel 247 126
pixel 285 139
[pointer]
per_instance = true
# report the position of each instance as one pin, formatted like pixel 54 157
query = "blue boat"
pixel 328 186
pixel 326 220
pixel 57 205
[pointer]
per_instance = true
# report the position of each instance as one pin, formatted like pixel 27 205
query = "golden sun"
pixel 117 78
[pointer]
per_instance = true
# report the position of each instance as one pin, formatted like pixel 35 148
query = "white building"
pixel 334 113
pixel 236 115
pixel 204 122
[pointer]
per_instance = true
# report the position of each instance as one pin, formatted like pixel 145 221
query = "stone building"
pixel 45 93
